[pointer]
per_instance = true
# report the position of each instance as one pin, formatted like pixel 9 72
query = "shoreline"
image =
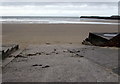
pixel 81 21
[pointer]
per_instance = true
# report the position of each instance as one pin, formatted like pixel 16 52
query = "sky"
pixel 37 8
pixel 59 0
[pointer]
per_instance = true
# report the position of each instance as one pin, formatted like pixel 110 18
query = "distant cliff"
pixel 114 17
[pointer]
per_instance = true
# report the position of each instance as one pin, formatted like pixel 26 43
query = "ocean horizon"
pixel 51 20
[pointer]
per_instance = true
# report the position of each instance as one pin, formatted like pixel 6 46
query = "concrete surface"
pixel 63 63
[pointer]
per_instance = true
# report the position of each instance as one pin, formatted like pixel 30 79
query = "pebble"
pixel 81 56
pixel 78 51
pixel 47 54
pixel 56 53
pixel 48 43
pixel 54 49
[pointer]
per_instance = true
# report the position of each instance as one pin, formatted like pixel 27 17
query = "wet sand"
pixel 25 34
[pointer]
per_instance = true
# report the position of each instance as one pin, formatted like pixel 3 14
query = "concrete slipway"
pixel 63 63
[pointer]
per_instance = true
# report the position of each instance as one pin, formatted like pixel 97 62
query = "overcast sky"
pixel 59 9
pixel 59 0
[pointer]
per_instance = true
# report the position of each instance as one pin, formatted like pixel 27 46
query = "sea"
pixel 38 19
pixel 51 20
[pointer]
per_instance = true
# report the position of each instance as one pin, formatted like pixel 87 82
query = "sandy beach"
pixel 25 34
pixel 66 41
pixel 54 53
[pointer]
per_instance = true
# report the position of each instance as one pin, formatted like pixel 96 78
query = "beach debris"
pixel 70 51
pixel 38 53
pixel 47 54
pixel 40 65
pixel 73 51
pixel 55 49
pixel 37 65
pixel 46 66
pixel 48 43
pixel 57 53
pixel 33 54
pixel 77 51
pixel 77 55
pixel 103 39
pixel 81 56
pixel 21 56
